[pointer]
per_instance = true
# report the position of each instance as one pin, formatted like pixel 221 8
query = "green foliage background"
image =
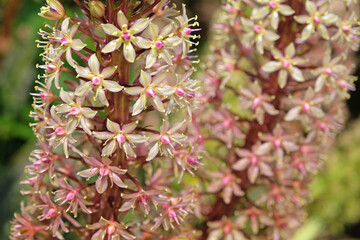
pixel 335 206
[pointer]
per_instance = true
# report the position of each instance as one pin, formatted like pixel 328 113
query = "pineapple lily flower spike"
pixel 116 92
pixel 276 81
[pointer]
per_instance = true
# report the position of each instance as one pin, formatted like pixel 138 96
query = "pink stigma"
pixel 165 139
pixel 70 196
pixel 277 143
pixel 104 171
pixel 228 66
pixel 159 44
pixel 52 67
pixel 285 64
pixel 65 41
pixel 272 4
pixel 317 20
pixel 126 36
pixel 59 131
pixel 187 31
pixel 227 229
pixel 51 213
pixel 110 230
pixel 256 102
pixel 214 81
pixel 227 123
pixel 95 81
pixel 43 95
pixel 344 84
pixel 257 29
pixel 192 160
pixel 74 111
pixel 323 126
pixel 232 9
pixel 254 160
pixel 328 71
pixel 150 92
pixel 144 199
pixel 306 107
pixel 180 91
pixel 172 213
pixel 226 180
pixel 301 167
pixel 346 28
pixel 120 138
pixel 45 159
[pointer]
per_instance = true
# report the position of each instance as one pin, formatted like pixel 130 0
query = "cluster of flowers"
pixel 276 80
pixel 115 82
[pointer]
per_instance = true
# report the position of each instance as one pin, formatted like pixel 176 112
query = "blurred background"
pixel 335 209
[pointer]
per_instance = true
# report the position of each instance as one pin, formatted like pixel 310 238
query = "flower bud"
pixel 53 11
pixel 97 9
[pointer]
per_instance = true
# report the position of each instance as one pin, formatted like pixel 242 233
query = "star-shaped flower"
pixel 148 91
pixel 121 136
pixel 97 80
pixel 286 64
pixel 272 7
pixel 126 36
pixel 317 19
pixel 105 173
pixel 67 40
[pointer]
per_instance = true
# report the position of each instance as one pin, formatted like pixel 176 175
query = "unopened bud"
pixel 53 11
pixel 97 9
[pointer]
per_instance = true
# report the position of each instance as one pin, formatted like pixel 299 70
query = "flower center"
pixel 43 95
pixel 104 171
pixel 285 63
pixel 328 71
pixel 172 213
pixel 70 196
pixel 192 160
pixel 165 139
pixel 317 19
pixel 180 91
pixel 159 44
pixel 323 126
pixel 256 102
pixel 277 143
pixel 45 159
pixel 227 123
pixel 272 4
pixel 226 180
pixel 254 160
pixel 95 81
pixel 187 31
pixel 144 199
pixel 126 36
pixel 59 131
pixel 232 9
pixel 343 84
pixel 51 213
pixel 228 66
pixel 257 29
pixel 74 111
pixel 306 107
pixel 346 28
pixel 214 81
pixel 120 138
pixel 52 67
pixel 150 92
pixel 65 41
pixel 227 229
pixel 110 230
